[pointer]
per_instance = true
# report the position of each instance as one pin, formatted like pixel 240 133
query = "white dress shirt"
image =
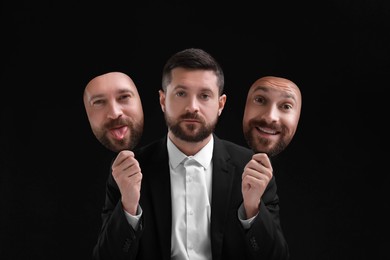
pixel 190 232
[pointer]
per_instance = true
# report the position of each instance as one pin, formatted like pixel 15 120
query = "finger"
pixel 256 181
pixel 263 159
pixel 122 156
pixel 136 176
pixel 256 173
pixel 256 165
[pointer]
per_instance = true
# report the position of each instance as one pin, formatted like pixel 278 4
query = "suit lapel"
pixel 159 180
pixel 223 175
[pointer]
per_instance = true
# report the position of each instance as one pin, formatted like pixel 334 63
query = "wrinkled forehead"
pixel 277 84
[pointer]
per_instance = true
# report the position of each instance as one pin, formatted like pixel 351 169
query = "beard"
pixel 127 143
pixel 189 132
pixel 263 145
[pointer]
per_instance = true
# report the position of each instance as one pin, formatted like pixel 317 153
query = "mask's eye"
pixel 259 100
pixel 286 107
pixel 124 98
pixel 98 102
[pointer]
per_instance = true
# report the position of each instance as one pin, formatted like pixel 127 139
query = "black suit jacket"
pixel 152 238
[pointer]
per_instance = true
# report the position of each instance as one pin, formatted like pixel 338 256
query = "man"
pixel 195 198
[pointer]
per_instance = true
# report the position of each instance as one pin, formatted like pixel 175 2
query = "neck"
pixel 188 148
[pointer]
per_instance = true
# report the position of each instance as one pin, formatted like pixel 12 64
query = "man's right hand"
pixel 127 174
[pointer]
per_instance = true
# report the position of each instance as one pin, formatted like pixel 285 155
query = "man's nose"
pixel 193 105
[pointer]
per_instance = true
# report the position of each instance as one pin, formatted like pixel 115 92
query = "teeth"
pixel 268 131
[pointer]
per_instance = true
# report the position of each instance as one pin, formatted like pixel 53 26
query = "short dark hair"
pixel 196 59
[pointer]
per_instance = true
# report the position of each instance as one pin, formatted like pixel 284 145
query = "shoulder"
pixel 236 148
pixel 233 150
pixel 153 149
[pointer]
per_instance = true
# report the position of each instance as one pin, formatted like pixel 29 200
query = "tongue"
pixel 119 133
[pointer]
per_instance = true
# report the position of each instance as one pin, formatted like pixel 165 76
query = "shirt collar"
pixel 203 156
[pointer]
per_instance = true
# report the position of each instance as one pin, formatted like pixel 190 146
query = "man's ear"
pixel 162 99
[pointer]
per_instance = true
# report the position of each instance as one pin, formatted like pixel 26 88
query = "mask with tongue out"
pixel 114 110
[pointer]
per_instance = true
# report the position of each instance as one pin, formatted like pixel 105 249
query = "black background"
pixel 332 179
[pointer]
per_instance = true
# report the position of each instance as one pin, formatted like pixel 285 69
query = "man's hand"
pixel 127 174
pixel 257 174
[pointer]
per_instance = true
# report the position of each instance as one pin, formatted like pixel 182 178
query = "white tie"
pixel 198 211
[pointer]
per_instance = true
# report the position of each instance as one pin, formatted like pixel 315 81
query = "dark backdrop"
pixel 332 179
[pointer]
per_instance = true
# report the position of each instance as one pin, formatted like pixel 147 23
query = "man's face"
pixel 191 104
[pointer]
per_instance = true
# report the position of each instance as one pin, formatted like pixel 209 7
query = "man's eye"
pixel 180 94
pixel 205 96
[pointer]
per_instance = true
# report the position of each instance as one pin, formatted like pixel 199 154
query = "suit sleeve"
pixel 265 239
pixel 117 238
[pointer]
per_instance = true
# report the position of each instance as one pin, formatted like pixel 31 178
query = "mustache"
pixel 263 123
pixel 190 115
pixel 116 122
